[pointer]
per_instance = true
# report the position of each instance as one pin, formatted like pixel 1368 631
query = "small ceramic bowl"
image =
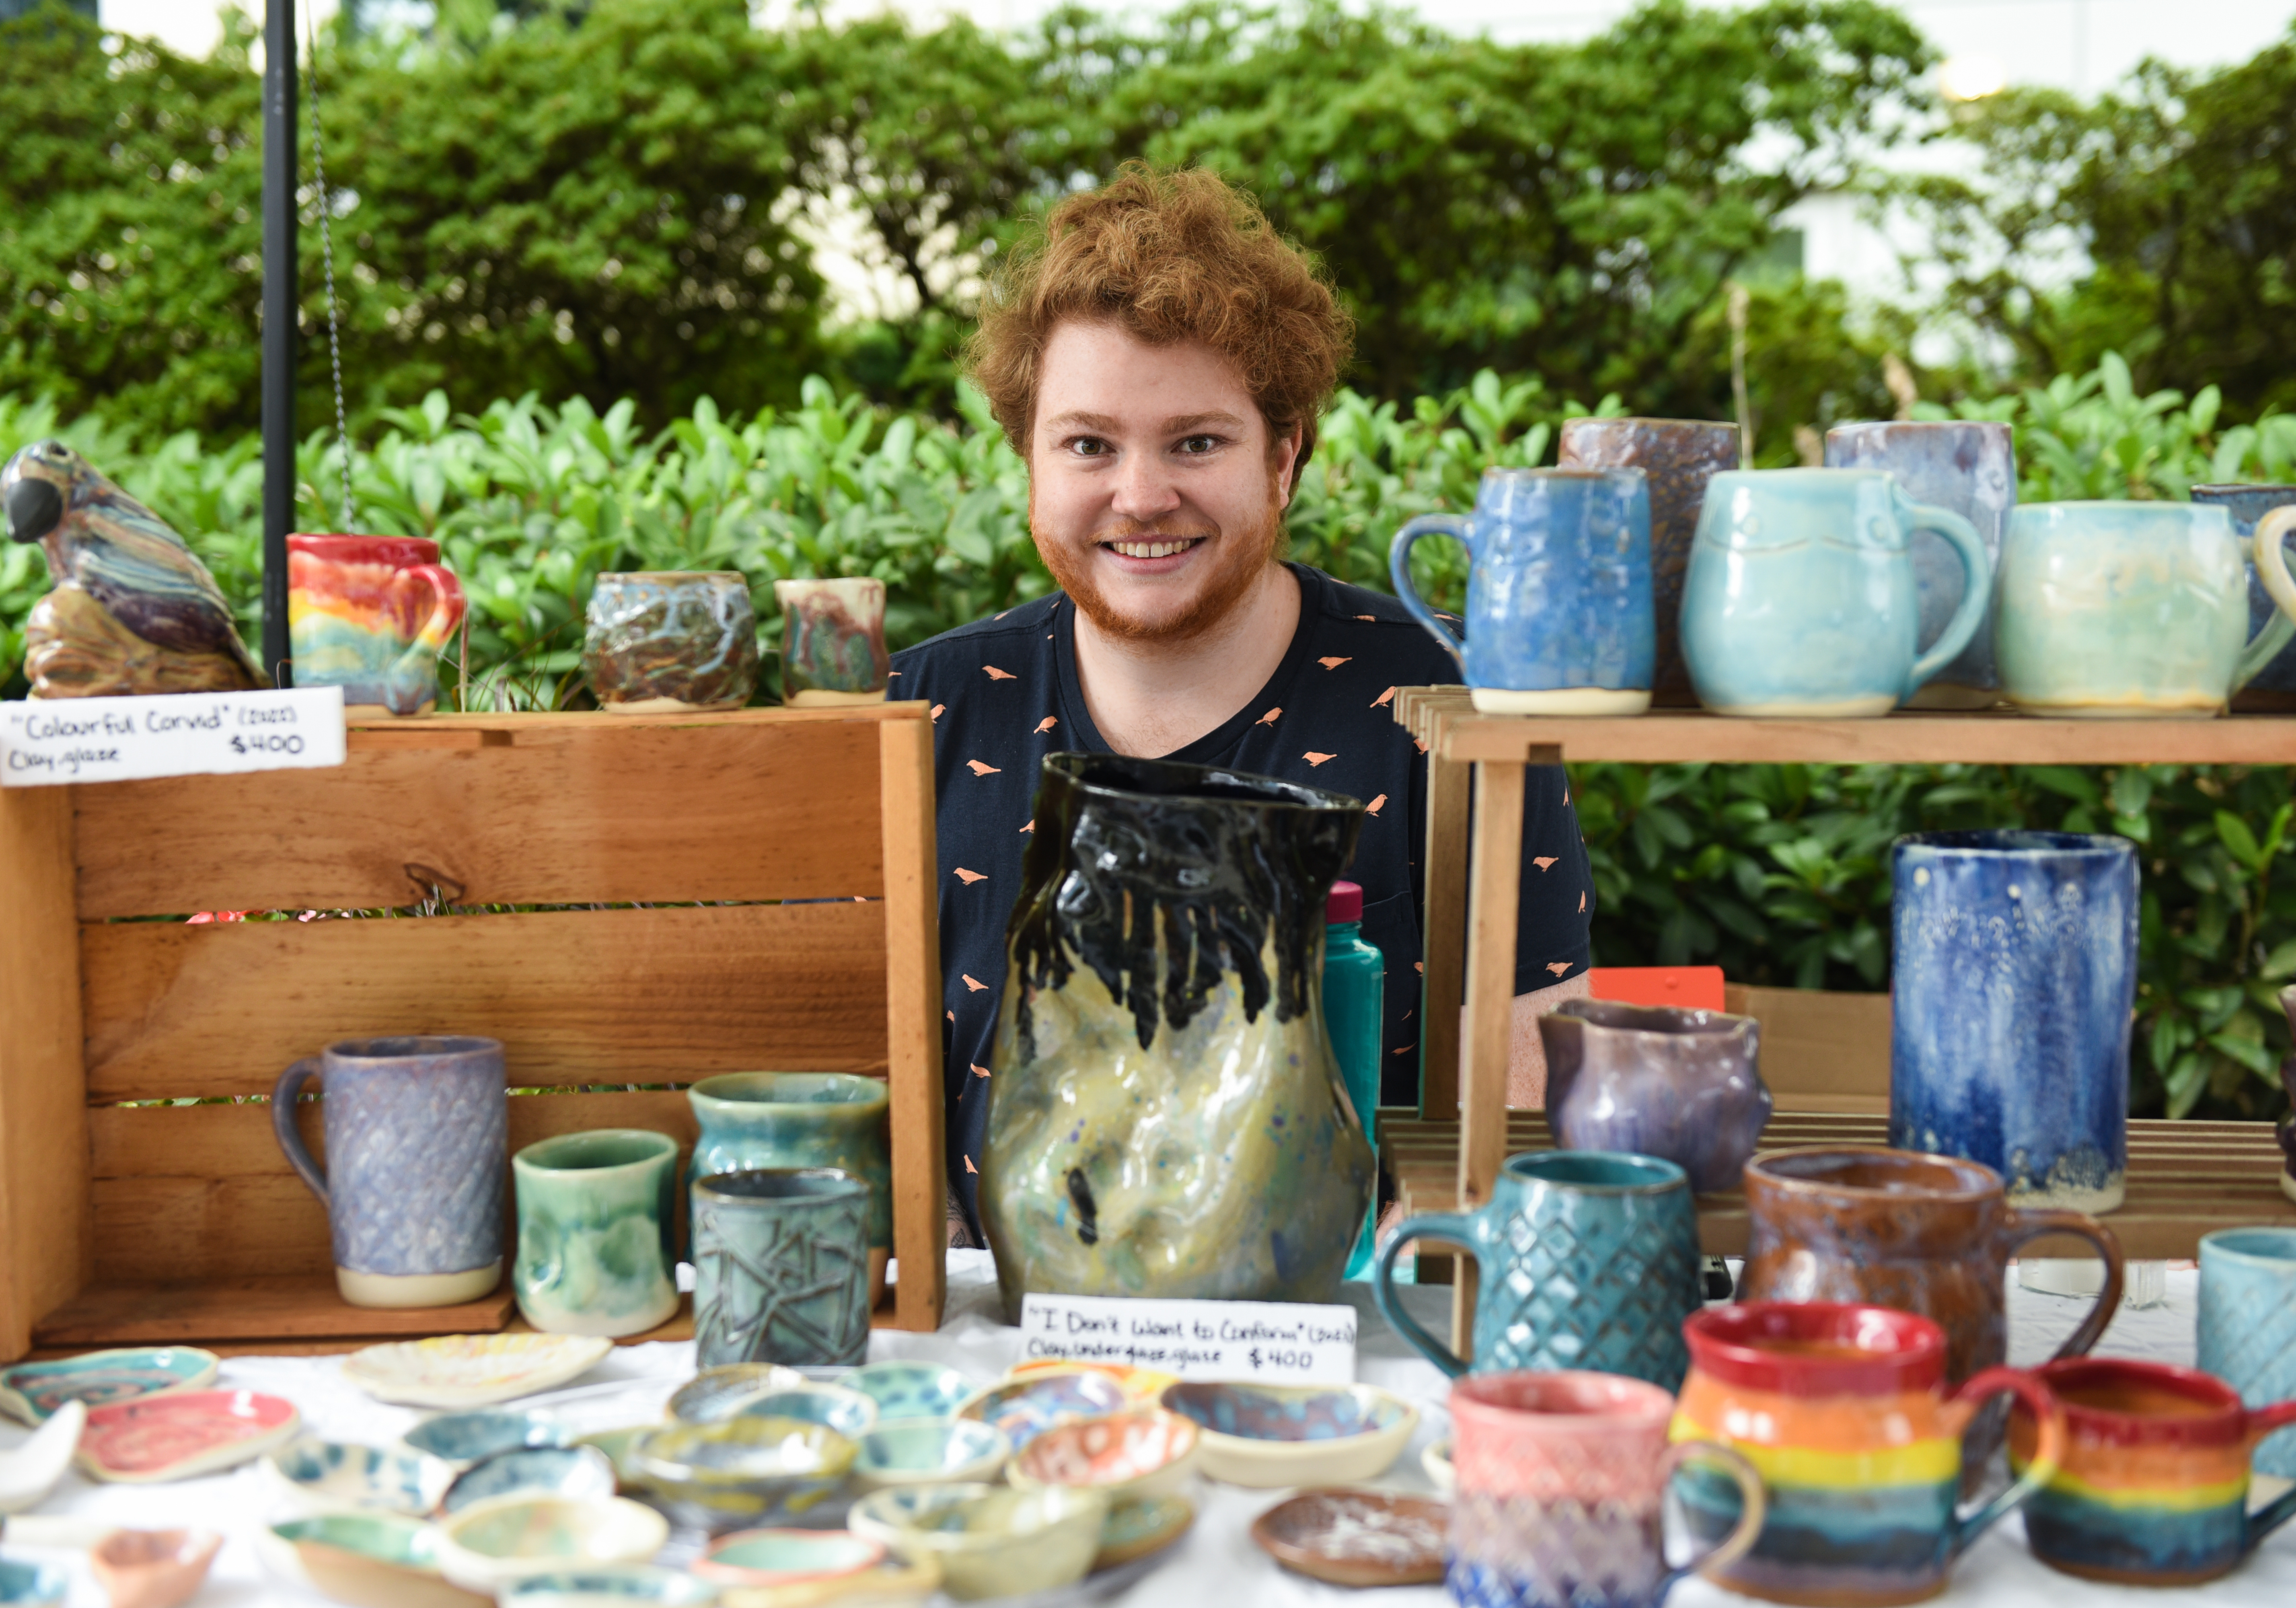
pixel 715 1394
pixel 1140 1453
pixel 369 1560
pixel 1134 1530
pixel 472 1370
pixel 1143 1385
pixel 615 1586
pixel 988 1542
pixel 1437 1461
pixel 31 1391
pixel 32 1585
pixel 488 1544
pixel 462 1438
pixel 153 1568
pixel 578 1472
pixel 182 1433
pixel 1356 1537
pixel 1028 1408
pixel 616 1444
pixel 30 1471
pixel 850 1412
pixel 744 1471
pixel 911 1390
pixel 329 1477
pixel 788 1557
pixel 922 1452
pixel 1270 1435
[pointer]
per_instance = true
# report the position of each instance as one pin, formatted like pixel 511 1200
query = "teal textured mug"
pixel 596 1216
pixel 776 1120
pixel 1588 1258
pixel 1801 599
pixel 2135 608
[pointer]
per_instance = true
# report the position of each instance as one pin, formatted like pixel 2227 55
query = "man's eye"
pixel 1197 445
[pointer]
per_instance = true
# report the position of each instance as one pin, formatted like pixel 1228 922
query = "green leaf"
pixel 2235 836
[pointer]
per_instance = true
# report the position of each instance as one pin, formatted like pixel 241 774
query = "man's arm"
pixel 1527 1055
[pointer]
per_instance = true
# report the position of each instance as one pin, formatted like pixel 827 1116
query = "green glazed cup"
pixel 595 1216
pixel 773 1120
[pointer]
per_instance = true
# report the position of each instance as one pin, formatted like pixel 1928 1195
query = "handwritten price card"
pixel 52 742
pixel 1196 1339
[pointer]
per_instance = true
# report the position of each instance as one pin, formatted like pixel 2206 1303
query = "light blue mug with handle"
pixel 1801 600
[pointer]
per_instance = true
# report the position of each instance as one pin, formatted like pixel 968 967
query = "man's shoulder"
pixel 1024 629
pixel 1383 622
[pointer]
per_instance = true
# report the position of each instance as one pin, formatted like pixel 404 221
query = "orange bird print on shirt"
pixel 1372 808
pixel 1313 758
pixel 996 675
pixel 1386 697
pixel 970 877
pixel 1268 719
pixel 1046 723
pixel 1331 664
pixel 1542 860
pixel 978 769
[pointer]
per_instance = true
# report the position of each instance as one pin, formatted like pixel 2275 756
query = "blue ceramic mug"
pixel 2014 974
pixel 1589 1260
pixel 2248 1326
pixel 1801 599
pixel 1559 617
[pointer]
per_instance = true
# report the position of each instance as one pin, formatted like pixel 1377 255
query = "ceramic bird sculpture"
pixel 132 610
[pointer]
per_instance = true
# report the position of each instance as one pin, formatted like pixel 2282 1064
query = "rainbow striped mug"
pixel 370 614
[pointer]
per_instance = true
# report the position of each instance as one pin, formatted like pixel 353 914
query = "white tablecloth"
pixel 1215 1565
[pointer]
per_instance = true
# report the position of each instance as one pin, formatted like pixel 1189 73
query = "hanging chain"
pixel 327 258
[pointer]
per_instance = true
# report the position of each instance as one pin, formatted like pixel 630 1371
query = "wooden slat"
pixel 42 1123
pixel 577 996
pixel 1444 931
pixel 290 1306
pixel 912 993
pixel 1821 1051
pixel 1489 1033
pixel 574 809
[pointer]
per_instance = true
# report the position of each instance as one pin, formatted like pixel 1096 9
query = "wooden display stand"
pixel 2184 1179
pixel 724 892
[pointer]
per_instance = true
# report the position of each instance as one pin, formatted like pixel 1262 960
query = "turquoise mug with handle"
pixel 1801 599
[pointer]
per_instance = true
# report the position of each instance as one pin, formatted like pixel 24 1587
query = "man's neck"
pixel 1149 699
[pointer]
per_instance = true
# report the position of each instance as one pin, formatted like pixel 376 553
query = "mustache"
pixel 1129 530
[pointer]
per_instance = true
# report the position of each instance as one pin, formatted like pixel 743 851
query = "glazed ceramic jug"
pixel 1559 618
pixel 370 614
pixel 2013 977
pixel 1848 1412
pixel 1166 1116
pixel 2133 609
pixel 1678 458
pixel 832 641
pixel 1801 600
pixel 1587 1260
pixel 2248 1326
pixel 667 641
pixel 1657 1081
pixel 750 1120
pixel 2152 1489
pixel 418 1140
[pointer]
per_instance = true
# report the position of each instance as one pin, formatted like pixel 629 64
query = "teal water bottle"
pixel 1354 982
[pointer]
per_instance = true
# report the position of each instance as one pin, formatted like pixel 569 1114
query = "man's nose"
pixel 1145 488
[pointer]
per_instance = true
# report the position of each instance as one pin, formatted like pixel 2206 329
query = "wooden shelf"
pixel 2186 1179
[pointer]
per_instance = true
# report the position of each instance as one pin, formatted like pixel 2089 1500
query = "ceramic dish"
pixel 911 1389
pixel 617 1586
pixel 1143 1385
pixel 369 1560
pixel 32 1585
pixel 894 1583
pixel 328 1477
pixel 1130 1456
pixel 1356 1537
pixel 463 1439
pixel 850 1412
pixel 988 1542
pixel 616 1445
pixel 922 1452
pixel 575 1472
pixel 1437 1461
pixel 744 1471
pixel 1270 1435
pixel 788 1557
pixel 1026 1407
pixel 716 1394
pixel 31 1391
pixel 472 1370
pixel 488 1544
pixel 30 1472
pixel 1142 1529
pixel 153 1568
pixel 181 1433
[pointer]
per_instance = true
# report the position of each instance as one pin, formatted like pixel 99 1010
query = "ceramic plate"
pixel 31 1391
pixel 368 1560
pixel 31 1471
pixel 1142 1529
pixel 911 1389
pixel 548 1471
pixel 923 1451
pixel 490 1543
pixel 1132 1456
pixel 463 1439
pixel 1356 1537
pixel 182 1433
pixel 325 1477
pixel 472 1370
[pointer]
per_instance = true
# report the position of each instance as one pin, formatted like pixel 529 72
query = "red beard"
pixel 1238 561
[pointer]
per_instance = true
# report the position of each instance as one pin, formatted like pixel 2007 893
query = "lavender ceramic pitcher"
pixel 418 1141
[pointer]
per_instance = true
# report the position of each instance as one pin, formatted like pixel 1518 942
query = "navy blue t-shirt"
pixel 1004 694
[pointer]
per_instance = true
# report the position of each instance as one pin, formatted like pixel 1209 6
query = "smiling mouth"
pixel 1152 549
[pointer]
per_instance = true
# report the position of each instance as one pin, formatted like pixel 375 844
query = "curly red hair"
pixel 1173 256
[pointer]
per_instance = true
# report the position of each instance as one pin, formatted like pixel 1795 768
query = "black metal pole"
pixel 280 301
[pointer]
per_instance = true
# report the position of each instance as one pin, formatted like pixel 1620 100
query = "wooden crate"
pixel 733 891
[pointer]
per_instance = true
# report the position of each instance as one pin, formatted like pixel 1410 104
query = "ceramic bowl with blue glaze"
pixel 490 1545
pixel 611 1585
pixel 911 1389
pixel 378 1560
pixel 1028 1408
pixel 745 1472
pixel 850 1412
pixel 788 1557
pixel 543 1471
pixel 329 1477
pixel 463 1439
pixel 716 1394
pixel 31 1585
pixel 921 1452
pixel 989 1541
pixel 30 1391
pixel 1270 1435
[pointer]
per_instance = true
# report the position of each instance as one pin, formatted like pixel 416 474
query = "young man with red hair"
pixel 1159 356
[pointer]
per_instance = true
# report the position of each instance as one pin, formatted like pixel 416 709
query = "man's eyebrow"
pixel 1180 424
pixel 1080 421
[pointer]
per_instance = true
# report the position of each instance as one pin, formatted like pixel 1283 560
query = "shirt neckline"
pixel 1209 748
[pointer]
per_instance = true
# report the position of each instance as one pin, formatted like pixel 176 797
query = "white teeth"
pixel 1149 549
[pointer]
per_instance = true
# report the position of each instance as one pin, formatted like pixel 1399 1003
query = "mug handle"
pixel 2272 569
pixel 446 607
pixel 282 1124
pixel 1448 1226
pixel 2025 1226
pixel 1976 579
pixel 2048 1451
pixel 2273 1514
pixel 1398 570
pixel 1753 1510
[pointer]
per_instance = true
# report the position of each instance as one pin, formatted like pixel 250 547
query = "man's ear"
pixel 1285 449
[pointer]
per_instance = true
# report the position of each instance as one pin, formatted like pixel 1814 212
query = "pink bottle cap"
pixel 1346 903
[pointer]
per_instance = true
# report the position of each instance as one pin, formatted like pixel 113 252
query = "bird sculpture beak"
pixel 34 508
